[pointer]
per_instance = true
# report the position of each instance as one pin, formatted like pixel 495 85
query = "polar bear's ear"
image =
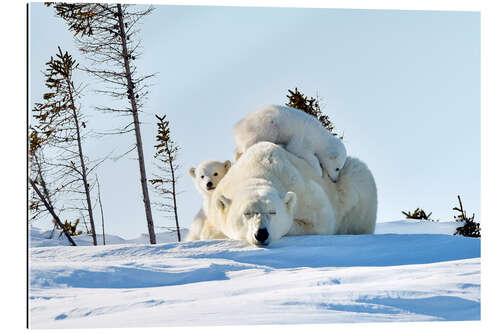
pixel 192 172
pixel 222 202
pixel 227 164
pixel 290 201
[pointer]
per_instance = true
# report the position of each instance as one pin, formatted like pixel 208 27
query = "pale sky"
pixel 403 86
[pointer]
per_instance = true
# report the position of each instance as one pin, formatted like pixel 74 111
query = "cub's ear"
pixel 223 203
pixel 227 164
pixel 290 201
pixel 192 172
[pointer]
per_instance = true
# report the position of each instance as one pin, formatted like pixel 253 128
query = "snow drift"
pixel 408 271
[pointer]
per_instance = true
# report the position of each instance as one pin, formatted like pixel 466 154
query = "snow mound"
pixel 411 226
pixel 42 238
pixel 303 279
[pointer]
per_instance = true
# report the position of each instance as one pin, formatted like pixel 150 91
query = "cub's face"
pixel 332 165
pixel 334 161
pixel 257 218
pixel 208 174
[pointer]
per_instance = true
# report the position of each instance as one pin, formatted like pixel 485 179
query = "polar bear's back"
pixel 279 124
pixel 268 161
pixel 255 127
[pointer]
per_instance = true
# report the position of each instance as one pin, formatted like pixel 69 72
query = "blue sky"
pixel 403 86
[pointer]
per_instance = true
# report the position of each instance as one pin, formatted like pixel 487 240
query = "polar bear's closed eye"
pixel 257 217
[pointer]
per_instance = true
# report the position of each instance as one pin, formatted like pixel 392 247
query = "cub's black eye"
pixel 216 174
pixel 202 177
pixel 337 169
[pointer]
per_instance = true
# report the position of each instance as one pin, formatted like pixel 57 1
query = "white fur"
pixel 354 198
pixel 273 189
pixel 299 132
pixel 205 176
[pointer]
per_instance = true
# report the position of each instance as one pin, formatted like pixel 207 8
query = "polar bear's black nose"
pixel 262 235
pixel 210 184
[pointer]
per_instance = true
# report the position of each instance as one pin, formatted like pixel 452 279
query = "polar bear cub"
pixel 300 133
pixel 205 176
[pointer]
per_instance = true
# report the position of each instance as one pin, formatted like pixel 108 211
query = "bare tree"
pixel 108 36
pixel 60 122
pixel 100 206
pixel 165 183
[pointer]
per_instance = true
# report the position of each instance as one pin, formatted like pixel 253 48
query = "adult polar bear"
pixel 270 193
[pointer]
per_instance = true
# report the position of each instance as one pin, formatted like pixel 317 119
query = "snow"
pixel 407 271
pixel 42 238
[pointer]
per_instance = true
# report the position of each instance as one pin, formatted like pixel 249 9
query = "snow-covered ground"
pixel 407 271
pixel 42 238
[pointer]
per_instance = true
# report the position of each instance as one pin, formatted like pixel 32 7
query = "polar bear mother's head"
pixel 258 215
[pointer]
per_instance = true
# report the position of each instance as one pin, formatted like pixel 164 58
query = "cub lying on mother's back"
pixel 205 176
pixel 300 133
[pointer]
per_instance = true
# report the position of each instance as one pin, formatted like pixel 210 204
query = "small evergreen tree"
pixel 60 124
pixel 418 214
pixel 470 228
pixel 70 227
pixel 310 105
pixel 165 183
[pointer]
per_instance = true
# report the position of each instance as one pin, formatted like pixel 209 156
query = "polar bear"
pixel 271 193
pixel 299 132
pixel 205 176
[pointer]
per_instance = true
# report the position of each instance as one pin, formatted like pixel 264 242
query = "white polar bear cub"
pixel 300 133
pixel 205 176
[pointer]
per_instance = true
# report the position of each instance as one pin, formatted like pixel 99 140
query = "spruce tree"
pixel 59 122
pixel 310 105
pixel 165 181
pixel 108 35
pixel 470 228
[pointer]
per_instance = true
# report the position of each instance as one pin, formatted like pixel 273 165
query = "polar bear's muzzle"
pixel 334 180
pixel 262 236
pixel 261 233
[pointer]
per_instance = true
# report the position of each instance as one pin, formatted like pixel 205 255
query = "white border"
pixel 12 137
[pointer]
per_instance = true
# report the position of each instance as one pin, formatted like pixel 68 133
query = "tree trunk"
pixel 82 163
pixel 51 210
pixel 42 180
pixel 133 104
pixel 102 213
pixel 170 162
pixel 45 190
